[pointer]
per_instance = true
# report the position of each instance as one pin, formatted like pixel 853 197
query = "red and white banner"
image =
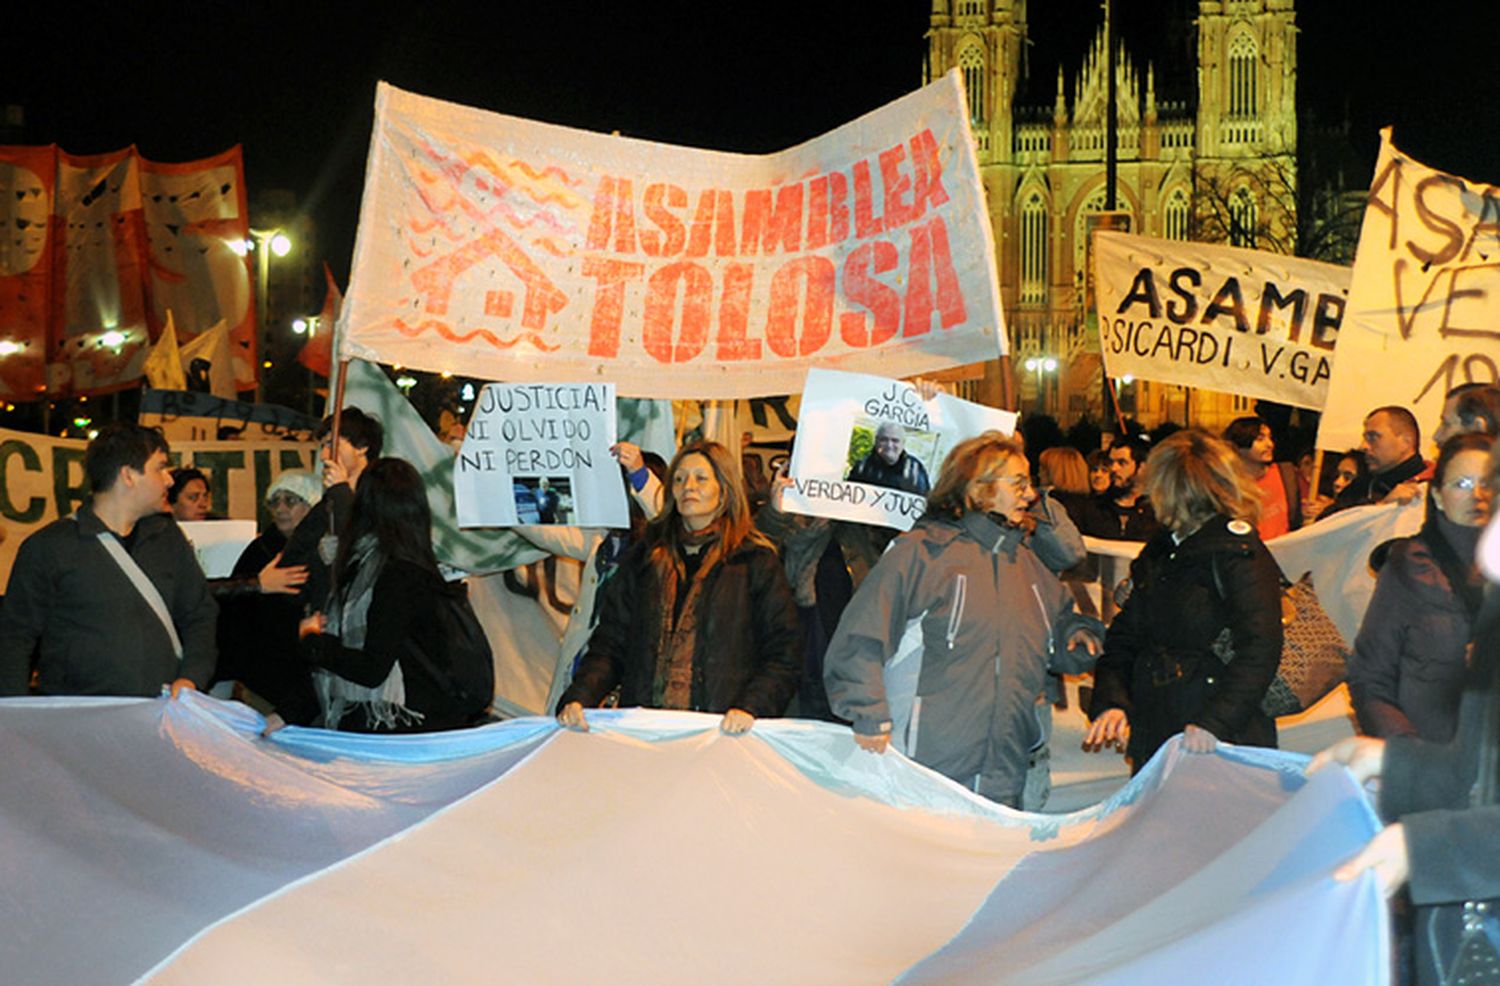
pixel 107 245
pixel 525 252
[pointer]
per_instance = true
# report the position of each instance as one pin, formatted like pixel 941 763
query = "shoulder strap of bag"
pixel 143 585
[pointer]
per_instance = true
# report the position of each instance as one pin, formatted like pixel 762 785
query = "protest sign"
pixel 41 479
pixel 526 252
pixel 218 544
pixel 1223 318
pixel 192 416
pixel 869 448
pixel 539 454
pixel 1424 303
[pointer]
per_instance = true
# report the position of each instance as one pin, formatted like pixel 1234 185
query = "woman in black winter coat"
pixel 699 614
pixel 379 647
pixel 1407 668
pixel 1197 642
pixel 1443 800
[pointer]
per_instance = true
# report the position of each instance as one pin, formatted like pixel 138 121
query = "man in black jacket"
pixel 889 464
pixel 114 596
pixel 1391 442
pixel 1123 512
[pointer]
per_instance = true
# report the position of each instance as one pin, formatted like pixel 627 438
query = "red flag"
pixel 317 352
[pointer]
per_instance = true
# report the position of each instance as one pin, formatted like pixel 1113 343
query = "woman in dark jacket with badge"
pixel 1197 643
pixel 699 614
pixel 1407 668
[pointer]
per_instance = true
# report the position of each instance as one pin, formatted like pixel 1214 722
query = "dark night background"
pixel 294 82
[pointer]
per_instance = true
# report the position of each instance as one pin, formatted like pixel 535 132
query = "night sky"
pixel 294 82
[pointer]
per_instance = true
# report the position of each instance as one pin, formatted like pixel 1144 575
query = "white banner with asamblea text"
pixel 1222 318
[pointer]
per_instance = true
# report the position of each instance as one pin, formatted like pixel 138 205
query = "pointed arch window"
pixel 971 65
pixel 971 8
pixel 1175 215
pixel 1243 61
pixel 1034 244
pixel 1244 217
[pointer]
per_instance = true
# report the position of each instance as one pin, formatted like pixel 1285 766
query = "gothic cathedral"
pixel 1223 170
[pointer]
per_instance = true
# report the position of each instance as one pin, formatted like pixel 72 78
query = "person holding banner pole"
pixel 945 648
pixel 1391 443
pixel 699 615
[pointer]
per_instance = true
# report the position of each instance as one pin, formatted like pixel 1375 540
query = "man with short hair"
pixel 114 595
pixel 889 465
pixel 1391 443
pixel 1468 408
pixel 1123 512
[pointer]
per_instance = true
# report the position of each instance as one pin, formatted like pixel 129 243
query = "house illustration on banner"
pixel 538 296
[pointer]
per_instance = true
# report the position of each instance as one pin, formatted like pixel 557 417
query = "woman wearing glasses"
pixel 1195 646
pixel 947 643
pixel 1407 669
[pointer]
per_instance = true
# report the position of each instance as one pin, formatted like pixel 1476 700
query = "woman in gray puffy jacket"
pixel 946 645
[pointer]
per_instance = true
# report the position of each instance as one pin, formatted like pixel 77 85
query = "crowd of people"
pixel 947 642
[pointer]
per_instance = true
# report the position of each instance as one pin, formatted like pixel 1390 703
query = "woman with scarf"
pixel 698 615
pixel 363 647
pixel 1407 668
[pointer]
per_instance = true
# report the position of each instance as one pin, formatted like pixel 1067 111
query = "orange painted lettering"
pixel 713 223
pixel 866 223
pixel 813 279
pixel 863 289
pixel 765 228
pixel 899 208
pixel 609 302
pixel 931 261
pixel 661 309
pixel 672 235
pixel 734 314
pixel 929 167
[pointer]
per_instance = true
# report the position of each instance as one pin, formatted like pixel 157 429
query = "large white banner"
pixel 1424 305
pixel 1222 318
pixel 527 252
pixel 539 454
pixel 869 448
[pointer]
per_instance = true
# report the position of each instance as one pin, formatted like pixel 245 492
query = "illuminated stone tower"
pixel 1221 170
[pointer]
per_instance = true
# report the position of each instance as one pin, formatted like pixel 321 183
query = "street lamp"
pixel 266 242
pixel 1040 365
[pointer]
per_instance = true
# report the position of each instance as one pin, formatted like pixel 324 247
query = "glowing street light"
pixel 267 242
pixel 299 326
pixel 114 338
pixel 9 347
pixel 1040 365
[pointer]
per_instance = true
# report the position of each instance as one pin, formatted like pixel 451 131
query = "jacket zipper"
pixel 960 596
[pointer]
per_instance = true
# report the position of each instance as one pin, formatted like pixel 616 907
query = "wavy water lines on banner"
pixel 546 194
pixel 447 332
pixel 551 169
pixel 551 247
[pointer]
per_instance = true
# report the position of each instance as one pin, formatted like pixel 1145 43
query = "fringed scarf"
pixel 677 637
pixel 348 618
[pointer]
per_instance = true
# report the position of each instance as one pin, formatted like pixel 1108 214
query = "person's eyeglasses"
pixel 284 500
pixel 1468 484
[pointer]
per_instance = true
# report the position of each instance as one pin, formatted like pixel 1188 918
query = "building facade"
pixel 1220 167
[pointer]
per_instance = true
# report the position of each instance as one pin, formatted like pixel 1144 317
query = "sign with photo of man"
pixel 869 448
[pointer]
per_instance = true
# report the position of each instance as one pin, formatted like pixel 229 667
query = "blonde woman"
pixel 1203 589
pixel 698 615
pixel 946 645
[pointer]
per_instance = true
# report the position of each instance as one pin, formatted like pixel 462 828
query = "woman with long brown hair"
pixel 699 615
